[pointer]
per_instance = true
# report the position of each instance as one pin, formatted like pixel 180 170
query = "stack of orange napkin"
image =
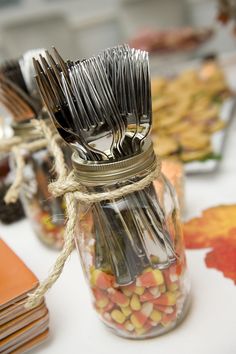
pixel 20 329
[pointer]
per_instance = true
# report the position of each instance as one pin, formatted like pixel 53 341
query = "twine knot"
pixel 19 146
pixel 71 185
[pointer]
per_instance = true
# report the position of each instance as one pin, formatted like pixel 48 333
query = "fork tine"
pixel 43 93
pixel 83 97
pixel 55 87
pixel 52 78
pixel 74 113
pixel 37 66
pixel 93 102
pixel 77 121
pixel 60 61
pixel 76 93
pixel 44 84
pixel 44 62
pixel 53 65
pixel 46 93
pixel 114 114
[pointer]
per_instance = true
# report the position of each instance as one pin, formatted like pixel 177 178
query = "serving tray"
pixel 218 141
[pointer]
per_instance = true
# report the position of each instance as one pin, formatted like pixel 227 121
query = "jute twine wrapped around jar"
pixel 17 146
pixel 68 187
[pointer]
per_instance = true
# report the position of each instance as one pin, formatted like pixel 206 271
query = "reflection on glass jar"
pixel 132 250
pixel 45 212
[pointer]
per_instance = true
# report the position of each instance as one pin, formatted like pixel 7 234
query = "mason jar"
pixel 9 213
pixel 45 213
pixel 131 247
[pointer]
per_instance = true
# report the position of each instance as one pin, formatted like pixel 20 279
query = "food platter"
pixel 218 142
pixel 192 127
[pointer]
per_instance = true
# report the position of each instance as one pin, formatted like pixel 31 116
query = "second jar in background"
pixel 45 212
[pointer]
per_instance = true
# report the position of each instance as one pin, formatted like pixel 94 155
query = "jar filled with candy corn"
pixel 131 247
pixel 45 212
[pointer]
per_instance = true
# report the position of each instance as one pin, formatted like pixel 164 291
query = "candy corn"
pixel 162 288
pixel 128 290
pixel 141 307
pixel 126 311
pixel 150 294
pixel 135 303
pixel 167 319
pixel 156 316
pixel 167 299
pixel 141 331
pixel 147 326
pixel 139 290
pixel 147 296
pixel 101 279
pixel 150 278
pixel 155 291
pixel 165 309
pixel 176 270
pixel 118 316
pixel 107 316
pixel 118 297
pixel 109 306
pixel 129 326
pixel 173 286
pixel 101 298
pixel 140 317
pixel 171 278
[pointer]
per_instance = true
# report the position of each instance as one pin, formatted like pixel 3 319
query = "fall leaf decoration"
pixel 216 228
pixel 216 223
pixel 223 258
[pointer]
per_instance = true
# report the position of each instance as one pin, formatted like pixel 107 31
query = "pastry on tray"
pixel 186 112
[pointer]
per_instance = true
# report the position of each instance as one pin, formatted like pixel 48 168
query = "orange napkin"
pixel 20 329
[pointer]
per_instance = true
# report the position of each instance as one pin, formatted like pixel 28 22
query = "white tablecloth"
pixel 209 328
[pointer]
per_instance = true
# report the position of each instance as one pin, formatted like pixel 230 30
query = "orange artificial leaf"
pixel 216 228
pixel 223 258
pixel 216 223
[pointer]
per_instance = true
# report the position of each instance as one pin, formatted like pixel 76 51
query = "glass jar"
pixel 9 213
pixel 45 213
pixel 131 248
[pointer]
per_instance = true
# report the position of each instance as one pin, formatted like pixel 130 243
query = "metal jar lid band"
pixel 28 132
pixel 92 173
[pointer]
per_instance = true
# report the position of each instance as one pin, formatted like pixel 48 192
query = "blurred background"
pixel 81 28
pixel 193 131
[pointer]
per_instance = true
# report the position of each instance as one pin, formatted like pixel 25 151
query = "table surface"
pixel 210 325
